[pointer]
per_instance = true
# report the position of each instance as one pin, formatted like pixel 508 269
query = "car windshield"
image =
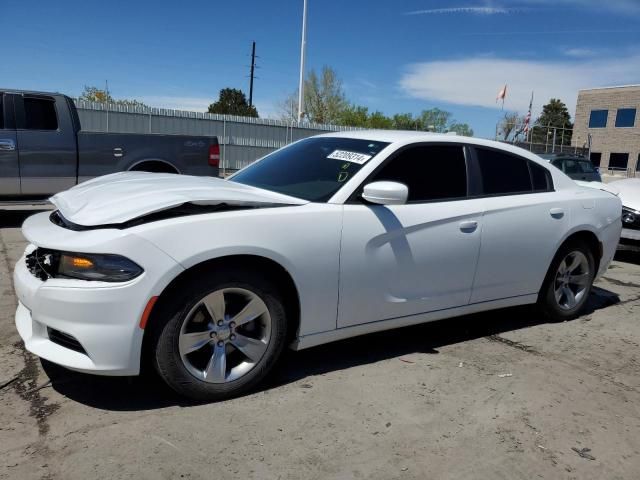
pixel 313 169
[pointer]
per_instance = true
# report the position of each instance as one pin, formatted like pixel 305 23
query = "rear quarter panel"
pixel 189 155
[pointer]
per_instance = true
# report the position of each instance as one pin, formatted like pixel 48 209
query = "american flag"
pixel 527 119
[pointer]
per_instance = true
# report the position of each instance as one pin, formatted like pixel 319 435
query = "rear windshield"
pixel 313 169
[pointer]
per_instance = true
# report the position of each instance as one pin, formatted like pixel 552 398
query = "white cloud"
pixel 473 10
pixel 476 81
pixel 579 52
pixel 624 6
pixel 521 6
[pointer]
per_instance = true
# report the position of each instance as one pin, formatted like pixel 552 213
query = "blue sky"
pixel 392 55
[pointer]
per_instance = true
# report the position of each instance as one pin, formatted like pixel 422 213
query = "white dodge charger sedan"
pixel 330 237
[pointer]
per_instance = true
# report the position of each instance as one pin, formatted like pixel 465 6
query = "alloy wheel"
pixel 572 280
pixel 224 335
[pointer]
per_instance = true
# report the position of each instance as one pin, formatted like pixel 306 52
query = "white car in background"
pixel 629 192
pixel 330 237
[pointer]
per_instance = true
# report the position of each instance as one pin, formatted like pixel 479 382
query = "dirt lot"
pixel 497 395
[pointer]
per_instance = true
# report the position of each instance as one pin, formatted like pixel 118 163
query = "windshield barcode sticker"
pixel 354 157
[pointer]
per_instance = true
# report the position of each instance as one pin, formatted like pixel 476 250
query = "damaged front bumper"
pixel 88 326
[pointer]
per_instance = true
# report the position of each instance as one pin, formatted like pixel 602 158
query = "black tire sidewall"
pixel 166 332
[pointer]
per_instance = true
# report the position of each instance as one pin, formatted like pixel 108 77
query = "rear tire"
pixel 568 282
pixel 218 336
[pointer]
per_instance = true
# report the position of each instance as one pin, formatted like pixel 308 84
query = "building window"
pixel 626 117
pixel 618 161
pixel 638 164
pixel 598 118
pixel 595 158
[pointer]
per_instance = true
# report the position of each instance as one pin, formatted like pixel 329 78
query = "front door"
pixel 46 143
pixel 400 260
pixel 9 167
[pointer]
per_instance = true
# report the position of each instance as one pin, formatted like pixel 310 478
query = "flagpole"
pixel 303 47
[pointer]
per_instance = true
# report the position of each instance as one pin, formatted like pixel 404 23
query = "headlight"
pixel 629 216
pixel 46 263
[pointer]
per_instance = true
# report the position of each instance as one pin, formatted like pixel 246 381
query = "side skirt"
pixel 315 339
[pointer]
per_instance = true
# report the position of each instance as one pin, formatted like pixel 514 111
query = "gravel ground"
pixel 496 395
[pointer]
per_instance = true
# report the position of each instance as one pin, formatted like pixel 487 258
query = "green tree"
pixel 95 94
pixel 461 129
pixel 378 120
pixel 405 121
pixel 324 98
pixel 435 120
pixel 233 102
pixel 510 126
pixel 554 115
pixel 354 116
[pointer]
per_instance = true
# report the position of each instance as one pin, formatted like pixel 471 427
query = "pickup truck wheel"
pixel 568 283
pixel 154 167
pixel 220 336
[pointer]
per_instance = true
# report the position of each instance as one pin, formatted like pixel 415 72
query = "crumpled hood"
pixel 629 189
pixel 123 196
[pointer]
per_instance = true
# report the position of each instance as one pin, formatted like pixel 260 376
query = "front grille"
pixel 65 340
pixel 41 262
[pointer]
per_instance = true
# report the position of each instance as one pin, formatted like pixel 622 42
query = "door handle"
pixel 7 145
pixel 117 152
pixel 468 226
pixel 556 212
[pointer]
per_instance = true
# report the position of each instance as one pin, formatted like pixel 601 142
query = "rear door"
pixel 46 144
pixel 524 219
pixel 9 167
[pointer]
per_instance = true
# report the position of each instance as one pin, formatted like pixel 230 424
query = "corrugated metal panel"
pixel 244 139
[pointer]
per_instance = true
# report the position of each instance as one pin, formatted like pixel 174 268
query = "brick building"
pixel 612 116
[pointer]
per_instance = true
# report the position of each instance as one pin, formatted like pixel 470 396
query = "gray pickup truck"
pixel 44 151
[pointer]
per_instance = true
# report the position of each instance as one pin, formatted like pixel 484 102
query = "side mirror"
pixel 386 193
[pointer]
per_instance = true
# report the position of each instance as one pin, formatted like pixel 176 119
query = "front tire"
pixel 568 282
pixel 219 335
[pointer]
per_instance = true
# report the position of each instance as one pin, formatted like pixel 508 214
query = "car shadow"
pixel 628 253
pixel 148 392
pixel 15 218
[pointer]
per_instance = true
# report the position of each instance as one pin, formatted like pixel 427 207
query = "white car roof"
pixel 408 136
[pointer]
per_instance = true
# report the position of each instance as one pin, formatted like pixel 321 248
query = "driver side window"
pixel 431 172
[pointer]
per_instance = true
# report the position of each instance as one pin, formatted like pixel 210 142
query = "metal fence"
pixel 539 139
pixel 242 139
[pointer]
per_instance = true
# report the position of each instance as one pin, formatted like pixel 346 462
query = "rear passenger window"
pixel 432 172
pixel 571 166
pixel 540 177
pixel 503 173
pixel 587 167
pixel 40 114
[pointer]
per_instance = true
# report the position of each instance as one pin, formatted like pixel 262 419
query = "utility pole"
pixel 303 47
pixel 253 66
